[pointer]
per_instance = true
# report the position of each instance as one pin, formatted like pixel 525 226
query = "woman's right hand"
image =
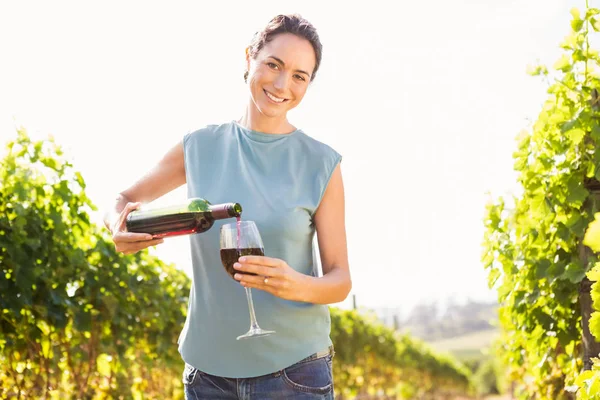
pixel 130 242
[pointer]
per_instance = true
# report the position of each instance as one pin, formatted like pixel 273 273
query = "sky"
pixel 422 99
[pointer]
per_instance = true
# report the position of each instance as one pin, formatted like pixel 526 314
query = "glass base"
pixel 255 332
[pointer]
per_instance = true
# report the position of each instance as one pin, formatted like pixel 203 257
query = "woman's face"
pixel 280 74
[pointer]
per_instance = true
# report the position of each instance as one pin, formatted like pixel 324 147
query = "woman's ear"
pixel 247 64
pixel 248 58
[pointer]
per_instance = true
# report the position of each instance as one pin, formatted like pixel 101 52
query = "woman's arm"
pixel 330 223
pixel 166 175
pixel 278 278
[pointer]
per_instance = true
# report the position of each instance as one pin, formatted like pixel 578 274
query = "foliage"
pixel 533 249
pixel 77 318
pixel 588 382
pixel 373 359
pixel 487 377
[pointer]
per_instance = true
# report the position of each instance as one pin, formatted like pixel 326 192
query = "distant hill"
pixel 431 323
pixel 468 346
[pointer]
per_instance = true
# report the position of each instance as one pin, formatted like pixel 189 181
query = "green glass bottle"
pixel 195 216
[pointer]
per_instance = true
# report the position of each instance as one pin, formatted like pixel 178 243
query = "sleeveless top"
pixel 279 179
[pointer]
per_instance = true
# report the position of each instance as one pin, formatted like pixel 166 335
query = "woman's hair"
pixel 294 24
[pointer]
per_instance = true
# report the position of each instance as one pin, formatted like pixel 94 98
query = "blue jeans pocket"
pixel 312 376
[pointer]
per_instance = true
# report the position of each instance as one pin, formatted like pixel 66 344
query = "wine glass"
pixel 237 240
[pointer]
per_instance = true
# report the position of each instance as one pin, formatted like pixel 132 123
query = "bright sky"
pixel 422 99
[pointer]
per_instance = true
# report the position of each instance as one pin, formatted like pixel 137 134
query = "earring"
pixel 246 76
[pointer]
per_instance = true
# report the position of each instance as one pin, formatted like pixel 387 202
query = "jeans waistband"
pixel 319 354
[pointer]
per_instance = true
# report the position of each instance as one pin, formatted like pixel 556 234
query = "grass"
pixel 466 346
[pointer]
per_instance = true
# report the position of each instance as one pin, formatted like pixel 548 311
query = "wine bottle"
pixel 195 216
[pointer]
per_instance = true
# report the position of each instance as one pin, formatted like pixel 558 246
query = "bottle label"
pixel 220 211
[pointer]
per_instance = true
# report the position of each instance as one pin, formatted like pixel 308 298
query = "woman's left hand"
pixel 272 275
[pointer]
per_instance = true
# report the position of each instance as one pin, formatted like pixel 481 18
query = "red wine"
pixel 239 230
pixel 195 216
pixel 231 256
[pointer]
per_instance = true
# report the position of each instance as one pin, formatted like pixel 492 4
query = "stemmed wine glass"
pixel 237 240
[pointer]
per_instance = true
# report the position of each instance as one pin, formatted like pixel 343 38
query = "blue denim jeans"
pixel 308 379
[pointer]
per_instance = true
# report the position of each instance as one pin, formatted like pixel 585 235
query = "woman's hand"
pixel 272 275
pixel 130 242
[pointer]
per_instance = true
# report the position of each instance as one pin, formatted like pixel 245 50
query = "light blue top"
pixel 279 179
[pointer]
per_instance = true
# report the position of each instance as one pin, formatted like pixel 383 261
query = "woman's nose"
pixel 281 82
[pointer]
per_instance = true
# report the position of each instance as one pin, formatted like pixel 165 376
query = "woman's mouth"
pixel 274 98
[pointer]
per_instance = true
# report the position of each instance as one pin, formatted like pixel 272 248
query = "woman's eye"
pixel 299 77
pixel 272 65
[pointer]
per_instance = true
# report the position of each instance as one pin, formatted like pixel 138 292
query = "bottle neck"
pixel 227 210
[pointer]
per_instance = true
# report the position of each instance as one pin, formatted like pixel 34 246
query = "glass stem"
pixel 253 323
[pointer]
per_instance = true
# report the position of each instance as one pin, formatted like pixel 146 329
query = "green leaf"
pixel 44 327
pixel 536 70
pixel 103 364
pixel 578 55
pixel 563 64
pixel 579 228
pixel 594 273
pixel 567 126
pixel 591 170
pixel 577 192
pixel 595 325
pixel 46 348
pixel 557 269
pixel 493 276
pixel 576 135
pixel 595 294
pixel 539 206
pixel 541 271
pixel 80 180
pixel 584 376
pixel 546 321
pixel 592 235
pixel 573 220
pixel 591 12
pixel 570 42
pixel 574 272
pixel 50 162
pixel 595 132
pixel 594 388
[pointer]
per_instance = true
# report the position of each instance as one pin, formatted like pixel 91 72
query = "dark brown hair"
pixel 294 24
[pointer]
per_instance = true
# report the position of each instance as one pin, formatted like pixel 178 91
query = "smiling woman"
pixel 282 60
pixel 277 86
pixel 291 186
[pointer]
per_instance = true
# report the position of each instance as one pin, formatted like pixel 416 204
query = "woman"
pixel 291 186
